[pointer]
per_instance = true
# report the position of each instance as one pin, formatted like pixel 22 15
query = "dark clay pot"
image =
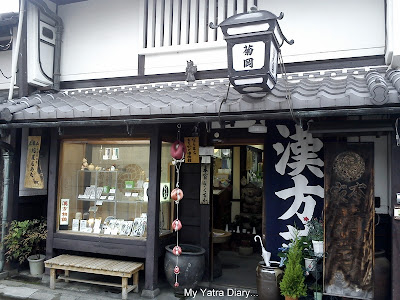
pixel 381 276
pixel 191 264
pixel 268 279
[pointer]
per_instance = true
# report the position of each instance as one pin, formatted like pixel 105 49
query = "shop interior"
pixel 237 214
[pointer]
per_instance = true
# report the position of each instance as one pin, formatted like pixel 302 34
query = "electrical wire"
pixel 6 77
pixel 288 92
pixel 1 71
pixel 397 132
pixel 9 43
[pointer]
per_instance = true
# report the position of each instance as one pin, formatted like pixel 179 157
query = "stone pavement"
pixel 25 286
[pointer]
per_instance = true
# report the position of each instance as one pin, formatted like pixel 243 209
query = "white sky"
pixel 9 6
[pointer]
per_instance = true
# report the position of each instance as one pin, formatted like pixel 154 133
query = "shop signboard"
pixel 192 150
pixel 33 173
pixel 205 184
pixel 293 182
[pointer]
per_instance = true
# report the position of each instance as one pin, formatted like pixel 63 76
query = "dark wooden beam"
pixel 52 192
pixel 101 246
pixel 223 73
pixel 153 211
pixel 63 2
pixel 395 188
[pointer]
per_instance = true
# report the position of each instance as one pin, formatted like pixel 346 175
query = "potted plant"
pixel 310 261
pixel 316 234
pixel 292 285
pixel 25 240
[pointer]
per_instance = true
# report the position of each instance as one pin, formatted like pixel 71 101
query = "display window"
pixel 103 185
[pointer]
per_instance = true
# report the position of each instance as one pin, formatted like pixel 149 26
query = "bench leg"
pixel 136 282
pixel 66 274
pixel 52 279
pixel 124 288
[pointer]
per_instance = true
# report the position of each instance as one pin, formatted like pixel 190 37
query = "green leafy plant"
pixel 315 229
pixel 292 283
pixel 25 238
pixel 306 247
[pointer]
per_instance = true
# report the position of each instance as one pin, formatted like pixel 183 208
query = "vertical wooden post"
pixel 395 188
pixel 52 193
pixel 66 275
pixel 124 288
pixel 52 278
pixel 136 282
pixel 153 211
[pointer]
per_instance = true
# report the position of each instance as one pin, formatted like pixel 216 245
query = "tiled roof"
pixel 312 90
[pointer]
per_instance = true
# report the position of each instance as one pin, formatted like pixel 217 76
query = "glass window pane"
pixel 103 187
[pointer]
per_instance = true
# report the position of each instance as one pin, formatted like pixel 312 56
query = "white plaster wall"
pixel 102 39
pixel 330 29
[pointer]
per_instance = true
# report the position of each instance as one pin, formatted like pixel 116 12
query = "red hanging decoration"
pixel 177 270
pixel 177 250
pixel 176 284
pixel 176 225
pixel 178 150
pixel 177 194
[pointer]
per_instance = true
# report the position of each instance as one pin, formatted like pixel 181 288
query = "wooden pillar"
pixel 153 210
pixel 395 188
pixel 52 193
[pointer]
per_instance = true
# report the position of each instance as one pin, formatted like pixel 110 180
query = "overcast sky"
pixel 8 6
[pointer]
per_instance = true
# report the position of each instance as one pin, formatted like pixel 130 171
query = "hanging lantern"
pixel 177 194
pixel 253 42
pixel 176 225
pixel 178 150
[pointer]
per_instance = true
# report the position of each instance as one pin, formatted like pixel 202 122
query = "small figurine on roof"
pixel 191 69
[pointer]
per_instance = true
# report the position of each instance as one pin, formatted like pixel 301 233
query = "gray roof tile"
pixel 311 90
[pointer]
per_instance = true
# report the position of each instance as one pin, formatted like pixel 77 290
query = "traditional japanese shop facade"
pixel 114 168
pixel 118 99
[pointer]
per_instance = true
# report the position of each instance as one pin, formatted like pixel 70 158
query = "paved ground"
pixel 24 286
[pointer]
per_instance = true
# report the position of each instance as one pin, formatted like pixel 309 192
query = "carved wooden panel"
pixel 349 220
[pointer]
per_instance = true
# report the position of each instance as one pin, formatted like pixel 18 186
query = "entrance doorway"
pixel 237 214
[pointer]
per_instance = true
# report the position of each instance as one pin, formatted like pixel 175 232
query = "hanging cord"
pixel 397 132
pixel 222 102
pixel 8 44
pixel 288 92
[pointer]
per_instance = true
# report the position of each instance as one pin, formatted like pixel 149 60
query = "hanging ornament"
pixel 176 225
pixel 178 150
pixel 177 194
pixel 176 270
pixel 177 250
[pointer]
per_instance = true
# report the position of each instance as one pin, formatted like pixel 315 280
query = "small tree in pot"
pixel 292 285
pixel 26 241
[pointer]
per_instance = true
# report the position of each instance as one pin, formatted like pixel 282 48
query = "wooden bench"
pixel 91 265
